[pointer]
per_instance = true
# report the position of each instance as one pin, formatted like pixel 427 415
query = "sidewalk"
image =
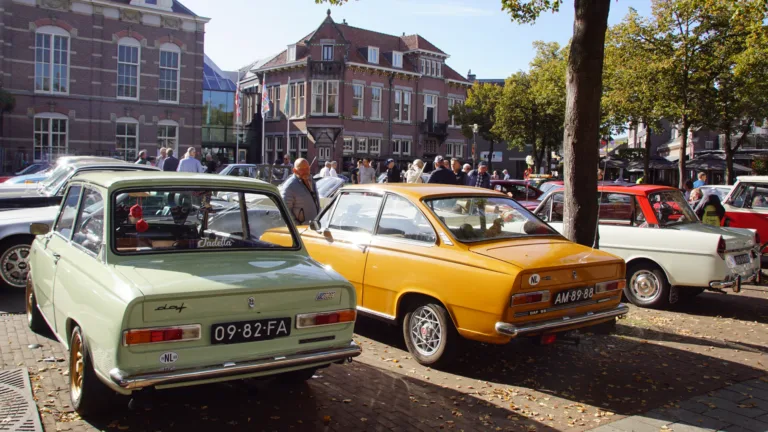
pixel 739 407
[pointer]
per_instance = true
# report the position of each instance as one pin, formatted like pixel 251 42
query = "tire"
pixel 296 377
pixel 87 393
pixel 35 319
pixel 647 286
pixel 430 320
pixel 14 261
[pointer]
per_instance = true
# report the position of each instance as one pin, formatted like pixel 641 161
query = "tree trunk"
pixel 683 146
pixel 728 156
pixel 490 157
pixel 549 160
pixel 582 120
pixel 647 156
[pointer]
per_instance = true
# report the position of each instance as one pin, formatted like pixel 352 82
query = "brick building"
pixel 100 77
pixel 356 93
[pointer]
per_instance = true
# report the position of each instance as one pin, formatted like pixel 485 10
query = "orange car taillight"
pixel 325 318
pixel 610 286
pixel 529 298
pixel 161 335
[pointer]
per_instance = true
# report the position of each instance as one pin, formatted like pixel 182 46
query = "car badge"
pixel 251 302
pixel 329 295
pixel 575 275
pixel 534 279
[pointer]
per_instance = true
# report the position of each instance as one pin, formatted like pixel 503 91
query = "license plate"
pixel 250 331
pixel 574 295
pixel 741 259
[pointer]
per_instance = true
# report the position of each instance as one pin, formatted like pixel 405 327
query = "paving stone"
pixel 694 405
pixel 752 391
pixel 729 395
pixel 652 421
pixel 738 420
pixel 682 427
pixel 738 408
pixel 685 416
pixel 609 428
pixel 757 383
pixel 635 424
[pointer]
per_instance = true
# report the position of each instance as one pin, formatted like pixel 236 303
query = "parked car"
pixel 447 262
pixel 148 285
pixel 722 191
pixel 241 170
pixel 747 205
pixel 670 254
pixel 27 179
pixel 520 190
pixel 34 168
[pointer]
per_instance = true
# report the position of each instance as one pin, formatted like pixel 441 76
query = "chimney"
pixel 470 76
pixel 344 21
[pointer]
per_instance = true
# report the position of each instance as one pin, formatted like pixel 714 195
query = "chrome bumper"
pixel 545 326
pixel 733 284
pixel 135 382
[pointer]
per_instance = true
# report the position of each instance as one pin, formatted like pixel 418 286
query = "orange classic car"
pixel 446 262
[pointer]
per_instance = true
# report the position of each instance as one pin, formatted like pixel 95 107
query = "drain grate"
pixel 18 411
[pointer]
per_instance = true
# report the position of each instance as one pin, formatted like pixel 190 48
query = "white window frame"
pixel 268 143
pixel 423 66
pixel 458 150
pixel 451 103
pixel 302 99
pixel 296 105
pixel 358 101
pixel 396 146
pixel 330 49
pixel 439 69
pixel 433 105
pixel 328 95
pixel 46 153
pixel 397 59
pixel 364 146
pixel 291 53
pixel 164 139
pixel 124 138
pixel 293 143
pixel 406 117
pixel 405 147
pixel 129 43
pixel 349 145
pixel 318 85
pixel 398 105
pixel 374 145
pixel 324 154
pixel 373 55
pixel 52 32
pixel 169 48
pixel 274 98
pixel 302 143
pixel 278 143
pixel 376 103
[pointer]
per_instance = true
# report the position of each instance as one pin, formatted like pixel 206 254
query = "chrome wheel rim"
pixel 426 331
pixel 76 367
pixel 645 286
pixel 15 265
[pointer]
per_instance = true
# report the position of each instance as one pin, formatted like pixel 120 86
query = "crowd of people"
pixel 166 161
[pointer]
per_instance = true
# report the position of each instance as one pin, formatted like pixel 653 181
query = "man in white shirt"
pixel 190 163
pixel 161 158
pixel 326 171
pixel 367 172
pixel 333 170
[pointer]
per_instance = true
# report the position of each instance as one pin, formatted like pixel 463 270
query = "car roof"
pixel 123 179
pixel 641 189
pixel 108 163
pixel 418 191
pixel 753 179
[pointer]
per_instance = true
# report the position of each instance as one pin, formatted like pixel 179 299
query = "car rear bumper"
pixel 232 369
pixel 735 283
pixel 559 323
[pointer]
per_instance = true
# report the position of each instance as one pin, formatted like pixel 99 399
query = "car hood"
pixel 735 238
pixel 34 214
pixel 11 190
pixel 539 252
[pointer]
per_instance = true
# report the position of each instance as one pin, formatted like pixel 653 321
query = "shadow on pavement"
pixel 750 305
pixel 11 300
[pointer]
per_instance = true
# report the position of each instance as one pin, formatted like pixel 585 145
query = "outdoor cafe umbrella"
pixel 613 162
pixel 655 163
pixel 712 162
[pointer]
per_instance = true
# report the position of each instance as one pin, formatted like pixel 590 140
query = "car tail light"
pixel 548 339
pixel 161 335
pixel 721 247
pixel 615 285
pixel 530 297
pixel 325 318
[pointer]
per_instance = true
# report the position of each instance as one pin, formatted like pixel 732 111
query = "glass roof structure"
pixel 215 79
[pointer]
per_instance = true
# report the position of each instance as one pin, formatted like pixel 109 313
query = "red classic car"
pixel 747 205
pixel 520 190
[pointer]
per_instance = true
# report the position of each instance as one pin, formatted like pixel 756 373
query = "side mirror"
pixel 39 229
pixel 314 225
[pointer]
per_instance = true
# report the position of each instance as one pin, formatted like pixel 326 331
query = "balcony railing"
pixel 437 130
pixel 326 69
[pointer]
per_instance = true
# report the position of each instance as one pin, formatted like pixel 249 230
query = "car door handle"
pixel 362 247
pixel 56 257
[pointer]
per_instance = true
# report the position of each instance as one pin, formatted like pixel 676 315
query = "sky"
pixel 475 33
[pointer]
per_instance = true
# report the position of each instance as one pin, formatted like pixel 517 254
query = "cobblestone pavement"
pixel 655 364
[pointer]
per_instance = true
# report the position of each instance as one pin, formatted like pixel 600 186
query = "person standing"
pixel 506 175
pixel 161 157
pixel 190 162
pixel 355 172
pixel 480 177
pixel 688 188
pixel 142 160
pixel 461 176
pixel 170 163
pixel 711 211
pixel 466 168
pixel 367 173
pixel 334 173
pixel 300 195
pixel 702 181
pixel 326 171
pixel 413 175
pixel 210 164
pixel 393 172
pixel 441 175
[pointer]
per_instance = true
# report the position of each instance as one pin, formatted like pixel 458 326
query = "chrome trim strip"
pixel 314 314
pixel 374 313
pixel 180 327
pixel 508 329
pixel 231 369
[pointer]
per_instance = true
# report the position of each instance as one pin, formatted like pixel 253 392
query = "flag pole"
pixel 237 119
pixel 263 119
pixel 287 118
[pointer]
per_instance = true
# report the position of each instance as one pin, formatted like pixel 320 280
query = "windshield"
pixel 158 220
pixel 57 178
pixel 326 186
pixel 473 219
pixel 671 208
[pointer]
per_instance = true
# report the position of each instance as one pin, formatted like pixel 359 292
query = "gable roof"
pixel 414 42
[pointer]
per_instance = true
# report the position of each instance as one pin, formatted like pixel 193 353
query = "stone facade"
pixel 76 44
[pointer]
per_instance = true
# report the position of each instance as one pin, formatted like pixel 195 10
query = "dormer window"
pixel 397 59
pixel 373 55
pixel 433 68
pixel 327 52
pixel 291 53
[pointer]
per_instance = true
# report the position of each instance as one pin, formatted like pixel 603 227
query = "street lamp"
pixel 474 144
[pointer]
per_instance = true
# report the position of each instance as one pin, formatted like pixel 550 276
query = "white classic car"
pixel 670 254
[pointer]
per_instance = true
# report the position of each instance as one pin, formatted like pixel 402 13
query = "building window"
pixel 402 106
pixel 455 150
pixel 401 147
pixel 300 100
pixel 397 59
pixel 127 139
pixel 398 104
pixel 327 52
pixel 395 146
pixel 374 145
pixel 274 97
pixel 324 153
pixel 291 53
pixel 317 97
pixel 169 73
pixel 332 98
pixel 451 103
pixel 303 143
pixel 168 136
pixel 430 108
pixel 128 68
pixel 268 143
pixel 278 143
pixel 292 143
pixel 376 103
pixel 349 145
pixel 362 146
pixel 439 69
pixel 406 117
pixel 709 145
pixel 50 137
pixel 52 60
pixel 373 55
pixel 357 100
pixel 423 66
pixel 430 147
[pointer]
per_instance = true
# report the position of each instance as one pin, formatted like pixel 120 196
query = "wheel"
pixel 35 319
pixel 87 393
pixel 647 286
pixel 297 376
pixel 14 261
pixel 430 335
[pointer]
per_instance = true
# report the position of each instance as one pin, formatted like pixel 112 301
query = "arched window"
pixel 128 68
pixel 168 135
pixel 170 61
pixel 50 136
pixel 52 60
pixel 127 138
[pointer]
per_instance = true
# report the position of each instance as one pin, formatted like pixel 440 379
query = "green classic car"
pixel 163 280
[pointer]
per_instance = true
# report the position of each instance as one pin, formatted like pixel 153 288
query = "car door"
pixel 54 246
pixel 747 207
pixel 345 234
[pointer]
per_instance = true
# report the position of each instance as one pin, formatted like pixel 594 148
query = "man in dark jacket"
pixel 461 176
pixel 480 177
pixel 393 172
pixel 171 163
pixel 441 175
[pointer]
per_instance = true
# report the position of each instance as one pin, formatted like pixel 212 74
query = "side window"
pixel 401 219
pixel 639 218
pixel 558 208
pixel 90 221
pixel 741 196
pixel 759 198
pixel 616 209
pixel 68 212
pixel 356 211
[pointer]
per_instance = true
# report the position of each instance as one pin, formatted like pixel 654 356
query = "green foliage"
pixel 528 11
pixel 7 101
pixel 480 108
pixel 760 167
